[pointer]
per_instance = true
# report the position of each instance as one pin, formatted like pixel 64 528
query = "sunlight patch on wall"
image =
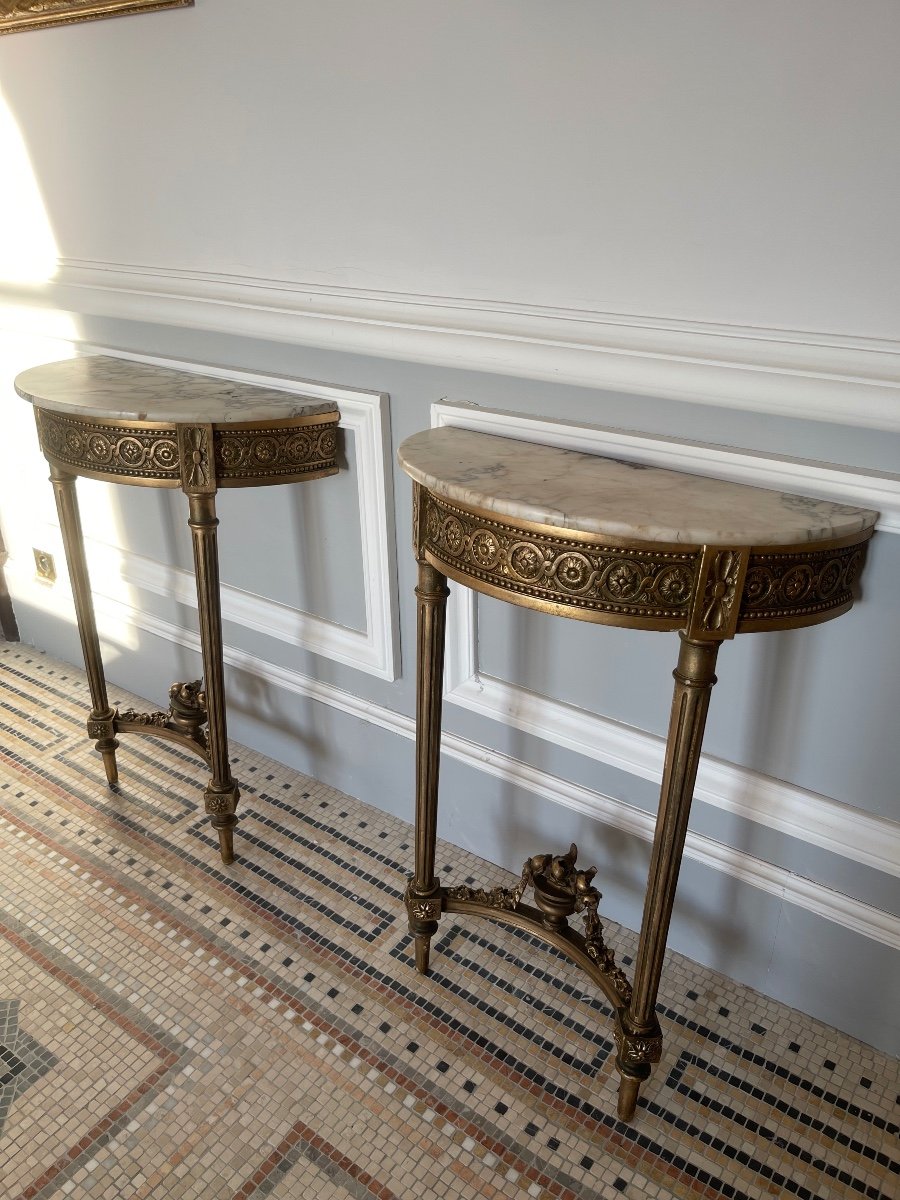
pixel 28 250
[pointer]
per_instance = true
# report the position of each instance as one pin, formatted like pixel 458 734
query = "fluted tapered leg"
pixel 422 899
pixel 222 793
pixel 100 724
pixel 638 1034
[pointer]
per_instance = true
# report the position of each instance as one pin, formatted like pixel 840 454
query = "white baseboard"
pixel 819 820
pixel 814 376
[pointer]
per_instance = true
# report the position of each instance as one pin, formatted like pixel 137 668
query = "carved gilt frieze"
pixel 195 456
pixel 641 583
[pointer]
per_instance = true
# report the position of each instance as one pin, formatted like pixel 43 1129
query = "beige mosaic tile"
pixel 170 1028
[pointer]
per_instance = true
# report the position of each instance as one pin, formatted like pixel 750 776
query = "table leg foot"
pixel 226 843
pixel 629 1087
pixel 110 767
pixel 423 954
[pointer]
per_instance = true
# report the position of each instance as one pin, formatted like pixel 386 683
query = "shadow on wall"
pixel 8 626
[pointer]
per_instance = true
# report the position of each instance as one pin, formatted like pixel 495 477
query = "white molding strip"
pixel 376 649
pixel 816 819
pixel 815 376
pixel 353 647
pixel 852 914
pixel 827 481
pixel 808 816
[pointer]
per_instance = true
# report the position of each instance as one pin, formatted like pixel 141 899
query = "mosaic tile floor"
pixel 172 1028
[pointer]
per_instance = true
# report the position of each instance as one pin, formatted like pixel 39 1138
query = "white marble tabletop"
pixel 120 389
pixel 572 490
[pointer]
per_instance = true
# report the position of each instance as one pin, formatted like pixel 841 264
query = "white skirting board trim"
pixel 808 816
pixel 819 820
pixel 374 650
pixel 814 376
pixel 814 897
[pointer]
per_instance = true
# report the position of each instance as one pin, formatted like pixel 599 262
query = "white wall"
pixel 700 161
pixel 679 219
pixel 646 196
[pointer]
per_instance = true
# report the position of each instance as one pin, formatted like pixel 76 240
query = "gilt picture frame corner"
pixel 16 16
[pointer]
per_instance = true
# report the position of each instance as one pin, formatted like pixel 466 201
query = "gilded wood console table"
pixel 130 422
pixel 581 536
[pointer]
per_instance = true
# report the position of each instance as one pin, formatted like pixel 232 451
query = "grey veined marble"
pixel 572 490
pixel 117 388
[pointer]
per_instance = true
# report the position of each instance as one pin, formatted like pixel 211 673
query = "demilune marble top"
pixel 572 490
pixel 120 389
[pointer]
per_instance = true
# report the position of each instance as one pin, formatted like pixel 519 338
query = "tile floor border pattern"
pixel 388 1064
pixel 22 1059
pixel 491 1077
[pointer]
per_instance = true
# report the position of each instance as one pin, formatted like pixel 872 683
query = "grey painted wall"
pixel 814 707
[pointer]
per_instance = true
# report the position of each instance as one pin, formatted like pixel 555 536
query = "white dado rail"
pixel 792 373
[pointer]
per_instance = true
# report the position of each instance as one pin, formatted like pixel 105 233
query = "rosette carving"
pixel 422 908
pixel 638 1050
pixel 102 726
pixel 574 572
pixel 485 548
pixel 194 455
pixel 268 452
pixel 652 585
pixel 674 585
pixel 799 584
pixel 718 607
pixel 216 803
pixel 146 453
pixel 197 474
pixel 526 560
pixel 327 442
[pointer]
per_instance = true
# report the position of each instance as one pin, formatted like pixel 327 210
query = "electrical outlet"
pixel 44 566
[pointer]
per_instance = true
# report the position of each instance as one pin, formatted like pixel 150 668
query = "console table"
pixel 577 535
pixel 131 422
